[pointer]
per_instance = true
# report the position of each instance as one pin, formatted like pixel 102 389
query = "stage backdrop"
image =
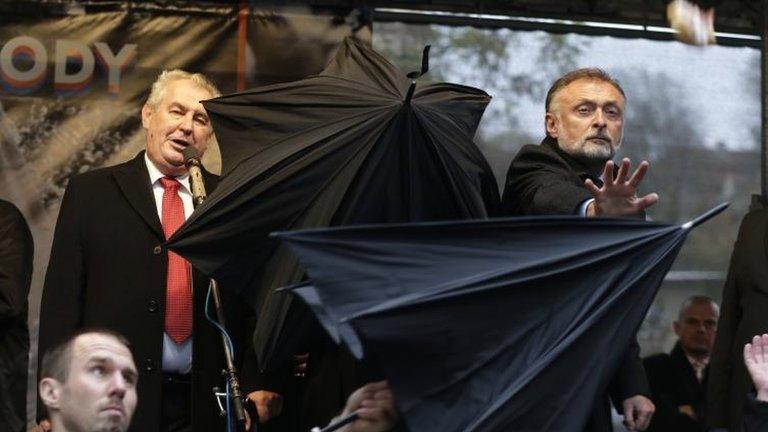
pixel 73 81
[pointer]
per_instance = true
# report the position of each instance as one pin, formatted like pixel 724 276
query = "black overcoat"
pixel 673 384
pixel 544 180
pixel 16 251
pixel 108 270
pixel 744 314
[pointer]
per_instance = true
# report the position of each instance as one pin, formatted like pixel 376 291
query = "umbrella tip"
pixel 411 89
pixel 706 216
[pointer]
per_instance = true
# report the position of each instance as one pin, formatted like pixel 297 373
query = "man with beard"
pixel 88 383
pixel 562 176
pixel 678 379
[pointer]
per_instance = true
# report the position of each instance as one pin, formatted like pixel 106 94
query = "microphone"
pixel 194 167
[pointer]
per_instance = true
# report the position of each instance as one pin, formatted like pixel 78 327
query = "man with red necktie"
pixel 108 268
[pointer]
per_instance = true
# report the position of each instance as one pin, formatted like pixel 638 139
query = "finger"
pixel 384 396
pixel 763 349
pixel 624 167
pixel 629 417
pixel 647 201
pixel 376 386
pixel 264 413
pixel 373 413
pixel 247 420
pixel 749 356
pixel 594 190
pixel 643 419
pixel 639 174
pixel 608 173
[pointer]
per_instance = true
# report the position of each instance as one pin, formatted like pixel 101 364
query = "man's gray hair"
pixel 579 74
pixel 698 299
pixel 160 85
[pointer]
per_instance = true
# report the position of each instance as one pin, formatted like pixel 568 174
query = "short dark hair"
pixel 56 360
pixel 697 299
pixel 575 75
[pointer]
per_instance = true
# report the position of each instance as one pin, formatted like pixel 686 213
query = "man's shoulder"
pixel 537 149
pixel 8 209
pixel 100 176
pixel 11 218
pixel 657 359
pixel 538 156
pixel 756 216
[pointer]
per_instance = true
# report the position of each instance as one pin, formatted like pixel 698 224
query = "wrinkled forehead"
pixel 592 90
pixel 700 310
pixel 89 347
pixel 186 92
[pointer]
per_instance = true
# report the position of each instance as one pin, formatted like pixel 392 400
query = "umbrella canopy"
pixel 508 324
pixel 358 143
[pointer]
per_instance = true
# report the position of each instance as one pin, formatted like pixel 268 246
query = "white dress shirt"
pixel 176 358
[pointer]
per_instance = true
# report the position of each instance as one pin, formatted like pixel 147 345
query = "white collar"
pixel 155 174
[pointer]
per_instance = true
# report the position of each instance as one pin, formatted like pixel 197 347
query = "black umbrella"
pixel 497 325
pixel 358 143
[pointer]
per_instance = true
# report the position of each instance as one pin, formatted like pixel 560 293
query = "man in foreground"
pixel 88 383
pixel 678 379
pixel 562 176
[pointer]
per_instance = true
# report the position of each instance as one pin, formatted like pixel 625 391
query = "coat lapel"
pixel 688 377
pixel 133 181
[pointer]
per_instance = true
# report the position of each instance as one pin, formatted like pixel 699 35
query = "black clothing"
pixel 673 384
pixel 743 315
pixel 544 180
pixel 755 415
pixel 16 251
pixel 108 269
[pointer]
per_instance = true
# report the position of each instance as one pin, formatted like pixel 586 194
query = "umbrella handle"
pixel 339 424
pixel 424 64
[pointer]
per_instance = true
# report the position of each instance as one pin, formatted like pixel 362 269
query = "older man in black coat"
pixel 108 268
pixel 584 114
pixel 16 251
pixel 678 379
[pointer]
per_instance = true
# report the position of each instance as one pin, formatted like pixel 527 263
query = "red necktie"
pixel 178 294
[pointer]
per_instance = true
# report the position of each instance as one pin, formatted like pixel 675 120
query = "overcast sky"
pixel 717 81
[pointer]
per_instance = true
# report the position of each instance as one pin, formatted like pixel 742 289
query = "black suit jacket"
pixel 16 251
pixel 108 270
pixel 755 415
pixel 744 314
pixel 673 384
pixel 544 180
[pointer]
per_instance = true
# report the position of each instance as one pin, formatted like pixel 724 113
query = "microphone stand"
pixel 198 196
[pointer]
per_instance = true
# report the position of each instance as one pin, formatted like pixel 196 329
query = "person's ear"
pixel 50 392
pixel 550 122
pixel 146 115
pixel 676 328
